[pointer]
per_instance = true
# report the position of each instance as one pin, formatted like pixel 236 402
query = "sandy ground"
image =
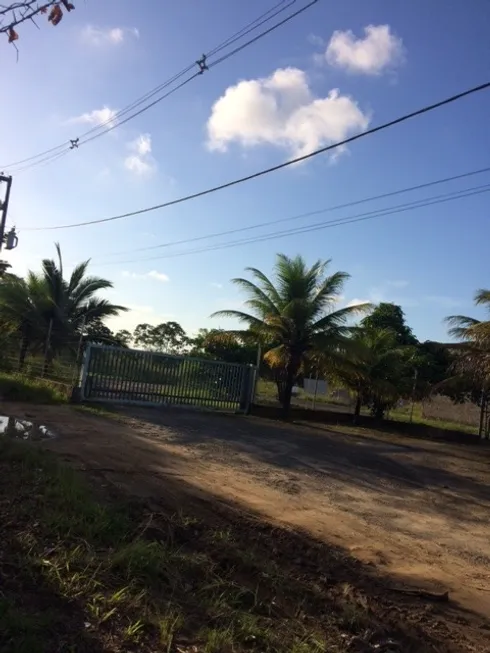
pixel 414 509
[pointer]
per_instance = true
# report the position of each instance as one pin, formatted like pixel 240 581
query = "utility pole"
pixel 4 206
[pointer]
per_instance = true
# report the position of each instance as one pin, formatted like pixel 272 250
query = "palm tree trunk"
pixel 357 409
pixel 482 417
pixel 24 346
pixel 379 409
pixel 291 374
pixel 48 352
pixel 483 430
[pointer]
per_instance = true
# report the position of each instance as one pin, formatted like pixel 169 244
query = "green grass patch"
pixel 267 391
pixel 16 387
pixel 403 415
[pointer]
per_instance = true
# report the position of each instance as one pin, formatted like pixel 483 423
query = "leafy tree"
pixel 295 318
pixel 224 346
pixel 168 337
pixel 124 337
pixel 142 335
pixel 100 334
pixel 390 316
pixel 433 365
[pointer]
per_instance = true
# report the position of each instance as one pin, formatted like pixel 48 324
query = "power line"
pixel 42 162
pixel 258 22
pixel 209 66
pixel 309 214
pixel 114 122
pixel 280 166
pixel 55 156
pixel 328 224
pixel 240 34
pixel 261 20
pixel 53 149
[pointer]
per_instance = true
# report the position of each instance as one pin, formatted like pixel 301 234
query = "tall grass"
pixel 16 387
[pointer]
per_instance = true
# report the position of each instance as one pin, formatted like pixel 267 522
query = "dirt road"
pixel 418 510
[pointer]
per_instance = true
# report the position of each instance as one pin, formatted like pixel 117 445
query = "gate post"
pixel 246 389
pixel 83 379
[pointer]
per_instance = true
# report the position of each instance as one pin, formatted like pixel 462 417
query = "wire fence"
pixel 320 396
pixel 41 362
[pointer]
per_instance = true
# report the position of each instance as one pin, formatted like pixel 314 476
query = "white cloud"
pixel 140 162
pixel 106 115
pixel 282 111
pixel 378 51
pixel 316 40
pixel 99 36
pixel 159 276
pixel 153 274
pixel 217 285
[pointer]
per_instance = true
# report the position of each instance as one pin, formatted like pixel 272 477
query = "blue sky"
pixel 268 103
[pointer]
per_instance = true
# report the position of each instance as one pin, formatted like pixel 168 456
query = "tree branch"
pixel 16 13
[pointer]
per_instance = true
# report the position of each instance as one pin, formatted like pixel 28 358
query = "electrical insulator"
pixel 11 240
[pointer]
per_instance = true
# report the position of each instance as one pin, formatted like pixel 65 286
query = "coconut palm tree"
pixel 472 359
pixel 73 303
pixel 295 317
pixel 380 371
pixel 23 306
pixel 46 308
pixel 469 329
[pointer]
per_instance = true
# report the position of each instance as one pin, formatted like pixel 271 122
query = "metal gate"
pixel 112 374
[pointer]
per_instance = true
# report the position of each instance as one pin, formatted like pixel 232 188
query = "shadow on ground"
pixel 34 616
pixel 382 467
pixel 282 575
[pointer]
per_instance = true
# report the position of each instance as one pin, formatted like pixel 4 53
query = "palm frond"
pixel 77 276
pixel 277 357
pixel 267 285
pixel 461 326
pixel 340 316
pixel 259 299
pixel 461 320
pixel 482 296
pixel 87 288
pixel 253 321
pixel 97 309
pixel 328 291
